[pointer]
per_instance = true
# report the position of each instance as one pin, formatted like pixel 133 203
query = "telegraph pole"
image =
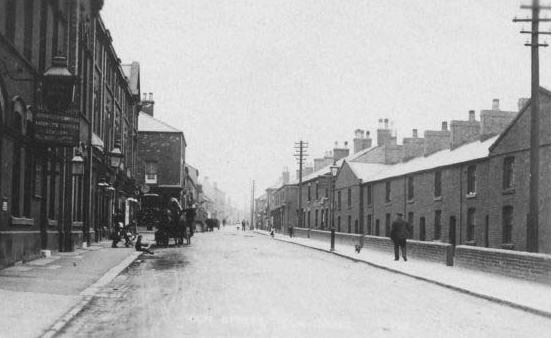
pixel 252 205
pixel 533 218
pixel 300 155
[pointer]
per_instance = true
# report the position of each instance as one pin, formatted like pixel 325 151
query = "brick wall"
pixel 530 266
pixel 163 148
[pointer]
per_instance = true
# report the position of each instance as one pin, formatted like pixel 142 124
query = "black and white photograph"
pixel 275 168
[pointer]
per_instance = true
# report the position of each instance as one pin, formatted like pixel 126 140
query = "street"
pixel 235 284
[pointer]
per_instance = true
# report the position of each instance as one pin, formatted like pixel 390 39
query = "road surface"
pixel 231 283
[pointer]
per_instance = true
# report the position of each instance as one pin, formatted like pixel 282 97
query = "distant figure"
pixel 142 247
pixel 290 231
pixel 272 232
pixel 243 225
pixel 400 231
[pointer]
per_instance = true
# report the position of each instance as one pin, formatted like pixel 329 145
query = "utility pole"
pixel 252 205
pixel 300 155
pixel 533 218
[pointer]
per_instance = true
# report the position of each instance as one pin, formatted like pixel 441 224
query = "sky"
pixel 246 79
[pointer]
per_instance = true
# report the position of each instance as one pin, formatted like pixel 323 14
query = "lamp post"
pixel 58 92
pixel 333 171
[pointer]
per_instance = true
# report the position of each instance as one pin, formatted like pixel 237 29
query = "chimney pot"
pixel 472 115
pixel 367 133
pixel 496 104
pixel 386 123
pixel 414 132
pixel 444 125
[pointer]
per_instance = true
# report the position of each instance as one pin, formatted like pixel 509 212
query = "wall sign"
pixel 59 129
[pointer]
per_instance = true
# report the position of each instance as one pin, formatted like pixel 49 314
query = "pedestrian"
pixel 272 232
pixel 400 231
pixel 290 231
pixel 243 225
pixel 142 247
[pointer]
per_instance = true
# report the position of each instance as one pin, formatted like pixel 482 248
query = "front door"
pixel 452 230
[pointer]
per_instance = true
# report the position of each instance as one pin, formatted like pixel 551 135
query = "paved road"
pixel 236 284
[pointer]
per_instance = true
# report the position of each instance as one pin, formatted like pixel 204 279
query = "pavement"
pixel 517 293
pixel 40 296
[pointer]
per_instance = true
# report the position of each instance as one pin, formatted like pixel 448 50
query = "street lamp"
pixel 115 156
pixel 333 171
pixel 78 164
pixel 58 85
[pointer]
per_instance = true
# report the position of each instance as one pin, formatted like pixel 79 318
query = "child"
pixel 142 247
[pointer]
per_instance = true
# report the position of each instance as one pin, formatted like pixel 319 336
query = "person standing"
pixel 400 231
pixel 243 225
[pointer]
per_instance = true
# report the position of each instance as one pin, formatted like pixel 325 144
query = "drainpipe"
pixel 461 207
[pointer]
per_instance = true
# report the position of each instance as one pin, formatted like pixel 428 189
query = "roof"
pixel 326 170
pixel 468 152
pixel 148 123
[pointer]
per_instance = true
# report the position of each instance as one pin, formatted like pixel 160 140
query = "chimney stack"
pixel 360 142
pixel 496 104
pixel 444 125
pixel 412 146
pixel 340 153
pixel 494 121
pixel 386 121
pixel 464 131
pixel 522 102
pixel 147 104
pixel 384 134
pixel 285 176
pixel 415 133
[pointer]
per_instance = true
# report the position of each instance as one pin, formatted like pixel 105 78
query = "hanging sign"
pixel 57 129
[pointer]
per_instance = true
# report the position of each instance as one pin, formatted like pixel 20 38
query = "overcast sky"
pixel 245 79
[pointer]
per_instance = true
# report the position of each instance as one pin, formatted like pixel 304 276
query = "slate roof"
pixel 150 124
pixel 469 152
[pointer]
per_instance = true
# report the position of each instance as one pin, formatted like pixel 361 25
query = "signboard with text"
pixel 59 129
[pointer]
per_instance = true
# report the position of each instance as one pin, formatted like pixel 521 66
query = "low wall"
pixel 430 251
pixel 524 265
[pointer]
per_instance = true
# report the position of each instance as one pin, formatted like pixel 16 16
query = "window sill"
pixel 21 221
pixel 389 203
pixel 471 243
pixel 509 191
pixel 410 201
pixel 471 195
pixel 52 223
pixel 437 198
pixel 507 246
pixel 77 224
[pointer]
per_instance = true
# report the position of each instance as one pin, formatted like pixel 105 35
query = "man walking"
pixel 400 231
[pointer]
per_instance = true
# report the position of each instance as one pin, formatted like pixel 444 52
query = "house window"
pixel 326 192
pixel 507 224
pixel 16 181
pixel 10 17
pixel 437 184
pixel 422 229
pixel 316 218
pixel 349 202
pixel 437 225
pixel 308 192
pixel 387 191
pixel 387 225
pixel 349 224
pixel 369 224
pixel 411 222
pixel 410 188
pixel 508 173
pixel 54 172
pixel 338 223
pixel 356 227
pixel 377 227
pixel 471 179
pixel 369 194
pixel 339 200
pixel 316 190
pixel 151 172
pixel 470 224
pixel 28 34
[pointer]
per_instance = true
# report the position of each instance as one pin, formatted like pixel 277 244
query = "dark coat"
pixel 400 230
